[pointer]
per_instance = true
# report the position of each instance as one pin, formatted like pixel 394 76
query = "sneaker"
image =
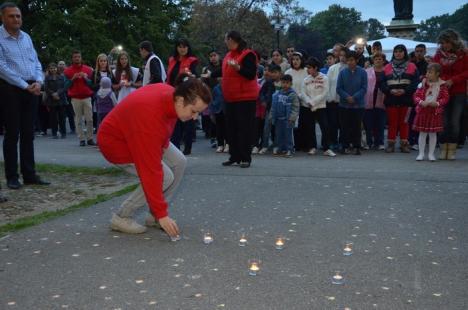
pixel 219 149
pixel 151 222
pixel 226 148
pixel 420 157
pixel 83 143
pixel 415 147
pixel 255 150
pixel 329 152
pixel 312 151
pixel 91 142
pixel 381 147
pixel 126 225
pixel 244 164
pixel 357 151
pixel 366 147
pixel 275 151
pixel 287 154
pixel 263 151
pixel 431 157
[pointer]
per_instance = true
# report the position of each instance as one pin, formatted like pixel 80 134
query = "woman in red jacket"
pixel 182 61
pixel 453 58
pixel 240 91
pixel 136 136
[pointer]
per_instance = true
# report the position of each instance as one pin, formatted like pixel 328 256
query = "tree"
pixel 96 26
pixel 430 28
pixel 337 24
pixel 306 40
pixel 374 29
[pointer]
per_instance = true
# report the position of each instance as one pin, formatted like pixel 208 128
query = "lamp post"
pixel 278 25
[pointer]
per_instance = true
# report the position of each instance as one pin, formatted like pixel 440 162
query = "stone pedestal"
pixel 402 28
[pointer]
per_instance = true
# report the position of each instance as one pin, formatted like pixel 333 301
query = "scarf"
pixel 432 90
pixel 399 67
pixel 447 58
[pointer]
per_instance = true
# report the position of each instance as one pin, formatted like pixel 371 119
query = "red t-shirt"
pixel 137 131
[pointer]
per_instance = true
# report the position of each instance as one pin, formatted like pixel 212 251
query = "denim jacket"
pixel 285 105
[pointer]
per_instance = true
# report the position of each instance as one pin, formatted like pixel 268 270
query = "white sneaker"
pixel 226 148
pixel 381 147
pixel 420 157
pixel 263 151
pixel 329 152
pixel 431 157
pixel 219 149
pixel 126 225
pixel 287 154
pixel 415 147
pixel 312 151
pixel 275 151
pixel 151 222
pixel 366 147
pixel 255 150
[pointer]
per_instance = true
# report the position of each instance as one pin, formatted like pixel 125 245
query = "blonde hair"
pixel 98 69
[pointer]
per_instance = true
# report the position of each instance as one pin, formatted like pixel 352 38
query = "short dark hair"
pixel 147 46
pixel 330 54
pixel 8 5
pixel 273 68
pixel 76 52
pixel 286 78
pixel 421 45
pixel 352 54
pixel 212 51
pixel 313 62
pixel 236 37
pixel 377 43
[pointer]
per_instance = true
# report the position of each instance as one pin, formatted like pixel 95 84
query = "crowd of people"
pixel 259 104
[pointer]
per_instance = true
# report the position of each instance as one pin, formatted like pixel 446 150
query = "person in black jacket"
pixel 56 100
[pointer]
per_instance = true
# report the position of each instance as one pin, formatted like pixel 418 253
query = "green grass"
pixel 62 169
pixel 29 221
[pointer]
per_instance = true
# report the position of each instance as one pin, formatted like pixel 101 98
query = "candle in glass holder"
pixel 254 267
pixel 175 239
pixel 337 278
pixel 243 240
pixel 279 243
pixel 207 238
pixel 348 249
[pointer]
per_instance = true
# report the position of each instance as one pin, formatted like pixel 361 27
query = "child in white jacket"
pixel 314 95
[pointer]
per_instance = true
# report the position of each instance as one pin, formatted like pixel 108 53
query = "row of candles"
pixel 254 264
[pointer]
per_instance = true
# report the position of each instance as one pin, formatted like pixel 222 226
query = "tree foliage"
pixel 430 28
pixel 374 29
pixel 337 24
pixel 96 26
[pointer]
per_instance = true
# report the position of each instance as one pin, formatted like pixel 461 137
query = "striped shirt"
pixel 18 60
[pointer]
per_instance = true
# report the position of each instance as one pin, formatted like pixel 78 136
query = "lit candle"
pixel 337 278
pixel 242 240
pixel 254 268
pixel 207 238
pixel 279 244
pixel 348 249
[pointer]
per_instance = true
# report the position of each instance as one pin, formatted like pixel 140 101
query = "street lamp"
pixel 278 25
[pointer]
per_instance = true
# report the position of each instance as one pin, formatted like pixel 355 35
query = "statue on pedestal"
pixel 403 9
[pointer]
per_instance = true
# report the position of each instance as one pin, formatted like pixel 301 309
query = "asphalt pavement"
pixel 407 221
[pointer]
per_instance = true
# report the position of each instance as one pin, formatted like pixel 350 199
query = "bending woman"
pixel 140 145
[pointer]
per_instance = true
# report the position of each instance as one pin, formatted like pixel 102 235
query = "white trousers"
pixel 173 163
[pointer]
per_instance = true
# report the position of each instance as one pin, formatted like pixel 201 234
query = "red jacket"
pixel 457 71
pixel 237 88
pixel 137 131
pixel 442 98
pixel 79 88
pixel 185 64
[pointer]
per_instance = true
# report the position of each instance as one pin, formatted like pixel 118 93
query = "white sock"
pixel 432 143
pixel 422 142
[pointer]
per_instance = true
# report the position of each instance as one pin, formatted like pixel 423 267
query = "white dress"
pixel 125 90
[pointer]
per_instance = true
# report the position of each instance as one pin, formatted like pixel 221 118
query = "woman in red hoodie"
pixel 135 135
pixel 453 58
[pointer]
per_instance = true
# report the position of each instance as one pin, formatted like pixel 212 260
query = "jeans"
pixel 173 163
pixel 452 117
pixel 374 124
pixel 183 131
pixel 283 134
pixel 267 131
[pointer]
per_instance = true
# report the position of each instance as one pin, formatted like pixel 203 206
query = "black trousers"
pixel 333 122
pixel 17 108
pixel 240 121
pixel 183 131
pixel 307 128
pixel 57 119
pixel 350 126
pixel 258 132
pixel 70 114
pixel 221 135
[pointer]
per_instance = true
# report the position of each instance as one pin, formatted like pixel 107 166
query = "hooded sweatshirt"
pixel 105 98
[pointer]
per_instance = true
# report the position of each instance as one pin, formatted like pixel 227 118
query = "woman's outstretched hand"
pixel 169 226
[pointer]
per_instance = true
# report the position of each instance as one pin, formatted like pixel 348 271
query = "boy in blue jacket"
pixel 284 112
pixel 352 88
